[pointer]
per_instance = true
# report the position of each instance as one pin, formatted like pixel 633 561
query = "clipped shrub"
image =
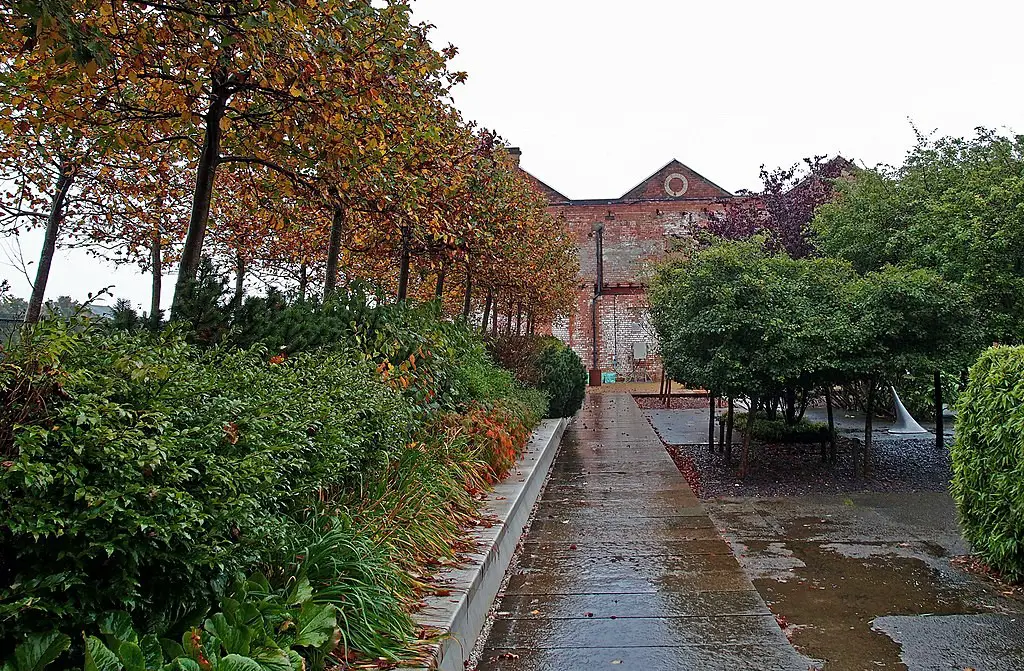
pixel 988 460
pixel 777 431
pixel 548 364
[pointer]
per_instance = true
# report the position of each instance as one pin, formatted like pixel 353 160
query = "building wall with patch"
pixel 637 231
pixel 635 237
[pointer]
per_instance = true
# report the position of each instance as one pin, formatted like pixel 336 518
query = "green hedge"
pixel 548 364
pixel 777 431
pixel 159 467
pixel 140 472
pixel 988 460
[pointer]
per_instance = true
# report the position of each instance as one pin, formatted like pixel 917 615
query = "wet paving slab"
pixel 623 569
pixel 866 581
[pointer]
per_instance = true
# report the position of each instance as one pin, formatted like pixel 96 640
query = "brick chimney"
pixel 515 153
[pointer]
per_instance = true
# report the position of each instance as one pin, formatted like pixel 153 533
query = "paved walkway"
pixel 623 569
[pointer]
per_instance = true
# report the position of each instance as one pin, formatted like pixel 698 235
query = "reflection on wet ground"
pixel 864 581
pixel 623 568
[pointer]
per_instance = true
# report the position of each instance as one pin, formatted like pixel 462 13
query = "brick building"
pixel 635 229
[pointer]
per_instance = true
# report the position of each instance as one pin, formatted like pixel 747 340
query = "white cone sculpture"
pixel 905 424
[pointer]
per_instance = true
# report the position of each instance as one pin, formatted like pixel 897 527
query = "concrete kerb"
pixel 469 590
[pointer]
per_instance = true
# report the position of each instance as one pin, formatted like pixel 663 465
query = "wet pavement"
pixel 865 581
pixel 623 568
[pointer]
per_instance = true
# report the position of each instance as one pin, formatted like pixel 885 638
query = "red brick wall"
pixel 635 235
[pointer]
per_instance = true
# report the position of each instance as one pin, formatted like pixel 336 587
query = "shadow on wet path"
pixel 623 569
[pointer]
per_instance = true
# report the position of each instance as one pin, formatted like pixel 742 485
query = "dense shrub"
pixel 142 472
pixel 988 459
pixel 548 364
pixel 778 431
pixel 167 466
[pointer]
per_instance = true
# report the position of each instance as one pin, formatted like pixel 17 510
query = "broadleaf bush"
pixel 988 460
pixel 336 448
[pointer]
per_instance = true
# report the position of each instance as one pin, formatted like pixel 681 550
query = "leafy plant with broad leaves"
pixel 988 471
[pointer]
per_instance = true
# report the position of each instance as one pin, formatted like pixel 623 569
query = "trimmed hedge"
pixel 777 431
pixel 988 460
pixel 548 364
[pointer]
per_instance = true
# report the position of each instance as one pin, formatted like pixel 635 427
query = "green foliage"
pixel 547 364
pixel 202 305
pixel 737 320
pixel 159 468
pixel 125 318
pixel 907 319
pixel 778 431
pixel 987 459
pixel 353 571
pixel 141 472
pixel 955 207
pixel 254 627
pixel 740 321
pixel 37 652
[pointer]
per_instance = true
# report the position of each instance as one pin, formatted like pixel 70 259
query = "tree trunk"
pixel 790 406
pixel 745 452
pixel 508 317
pixel 728 433
pixel 494 314
pixel 156 259
pixel 439 287
pixel 868 426
pixel 711 423
pixel 487 311
pixel 334 250
pixel 303 280
pixel 53 222
pixel 403 268
pixel 192 251
pixel 467 301
pixel 803 405
pixel 519 318
pixel 239 279
pixel 831 423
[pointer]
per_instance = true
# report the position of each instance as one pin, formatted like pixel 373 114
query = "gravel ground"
pixel 675 403
pixel 898 465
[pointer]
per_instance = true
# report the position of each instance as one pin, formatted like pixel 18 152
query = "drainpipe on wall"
pixel 597 231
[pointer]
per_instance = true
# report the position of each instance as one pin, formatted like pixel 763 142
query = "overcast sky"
pixel 601 94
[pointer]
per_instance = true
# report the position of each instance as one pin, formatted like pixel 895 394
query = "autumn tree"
pixel 238 82
pixel 136 214
pixel 51 146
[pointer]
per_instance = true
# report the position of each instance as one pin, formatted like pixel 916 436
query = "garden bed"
pixel 900 465
pixel 458 607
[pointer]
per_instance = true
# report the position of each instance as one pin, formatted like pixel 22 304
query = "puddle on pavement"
pixel 826 600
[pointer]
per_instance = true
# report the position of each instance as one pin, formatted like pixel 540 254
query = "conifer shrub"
pixel 547 364
pixel 988 460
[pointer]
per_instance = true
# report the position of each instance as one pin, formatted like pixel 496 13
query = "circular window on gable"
pixel 676 185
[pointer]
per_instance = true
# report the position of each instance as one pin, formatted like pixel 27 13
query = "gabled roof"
pixel 552 195
pixel 656 186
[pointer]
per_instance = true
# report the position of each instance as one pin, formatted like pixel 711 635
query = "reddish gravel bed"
pixel 675 403
pixel 794 470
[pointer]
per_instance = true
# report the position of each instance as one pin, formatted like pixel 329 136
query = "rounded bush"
pixel 548 364
pixel 988 460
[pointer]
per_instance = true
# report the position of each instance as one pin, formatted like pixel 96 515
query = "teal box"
pixel 608 377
